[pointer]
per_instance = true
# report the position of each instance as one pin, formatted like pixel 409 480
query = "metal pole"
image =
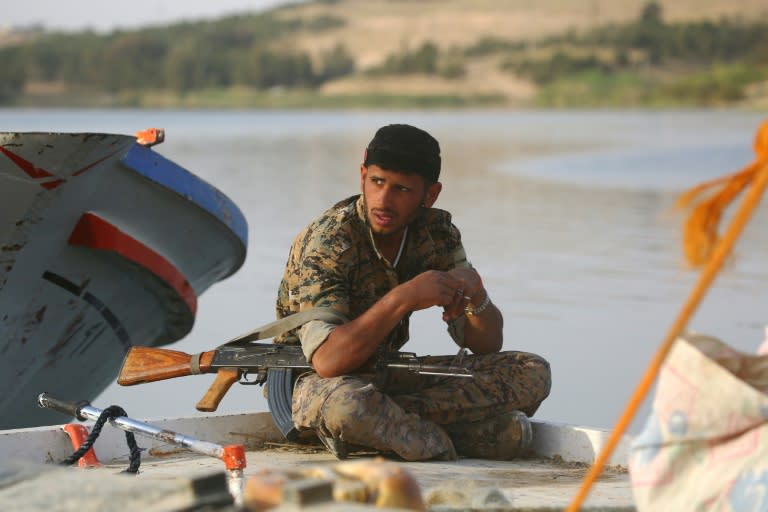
pixel 233 456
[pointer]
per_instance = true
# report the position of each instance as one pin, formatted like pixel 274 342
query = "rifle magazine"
pixel 279 397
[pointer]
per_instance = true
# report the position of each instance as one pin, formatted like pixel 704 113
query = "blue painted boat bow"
pixel 159 169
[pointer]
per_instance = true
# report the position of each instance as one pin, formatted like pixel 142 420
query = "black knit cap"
pixel 405 148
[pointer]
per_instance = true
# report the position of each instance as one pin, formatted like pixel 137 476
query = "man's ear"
pixel 363 171
pixel 432 192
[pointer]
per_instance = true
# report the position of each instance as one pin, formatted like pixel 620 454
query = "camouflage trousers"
pixel 407 414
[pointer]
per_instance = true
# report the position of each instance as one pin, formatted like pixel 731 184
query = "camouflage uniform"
pixel 334 263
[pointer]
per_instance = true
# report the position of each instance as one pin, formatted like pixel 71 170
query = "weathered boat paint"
pixel 104 244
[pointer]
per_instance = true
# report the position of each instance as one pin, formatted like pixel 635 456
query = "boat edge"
pixel 570 443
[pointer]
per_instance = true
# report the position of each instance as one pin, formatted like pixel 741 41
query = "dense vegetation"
pixel 181 58
pixel 645 62
pixel 649 61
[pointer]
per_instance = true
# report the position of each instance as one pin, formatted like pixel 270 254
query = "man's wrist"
pixel 472 309
pixel 398 297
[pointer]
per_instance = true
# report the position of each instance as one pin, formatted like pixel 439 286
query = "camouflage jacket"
pixel 334 263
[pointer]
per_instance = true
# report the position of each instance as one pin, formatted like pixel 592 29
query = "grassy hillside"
pixel 420 53
pixel 377 29
pixel 374 29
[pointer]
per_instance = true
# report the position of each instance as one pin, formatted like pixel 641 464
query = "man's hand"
pixel 471 292
pixel 350 345
pixel 433 288
pixel 453 290
pixel 482 332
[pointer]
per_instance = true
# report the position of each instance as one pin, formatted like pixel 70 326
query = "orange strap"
pixel 700 236
pixel 701 247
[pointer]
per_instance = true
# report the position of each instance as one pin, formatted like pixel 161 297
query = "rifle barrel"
pixel 462 373
pixel 431 369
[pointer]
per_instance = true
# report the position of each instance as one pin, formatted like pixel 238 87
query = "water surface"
pixel 567 215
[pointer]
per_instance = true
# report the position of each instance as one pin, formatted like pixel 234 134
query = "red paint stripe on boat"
pixel 94 232
pixel 50 185
pixel 39 173
pixel 94 164
pixel 26 166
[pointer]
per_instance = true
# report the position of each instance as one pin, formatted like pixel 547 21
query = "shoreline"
pixel 286 99
pixel 394 104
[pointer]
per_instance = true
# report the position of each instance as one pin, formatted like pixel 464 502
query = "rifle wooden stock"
pixel 225 377
pixel 146 364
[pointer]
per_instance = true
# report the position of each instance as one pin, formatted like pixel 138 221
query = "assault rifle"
pixel 269 363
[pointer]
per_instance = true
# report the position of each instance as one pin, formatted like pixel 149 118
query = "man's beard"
pixel 388 231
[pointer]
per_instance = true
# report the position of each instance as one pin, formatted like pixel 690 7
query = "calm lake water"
pixel 567 215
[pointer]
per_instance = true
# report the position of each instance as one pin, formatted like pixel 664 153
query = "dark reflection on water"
pixel 568 216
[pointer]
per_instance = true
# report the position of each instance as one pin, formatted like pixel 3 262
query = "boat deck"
pixel 532 483
pixel 535 483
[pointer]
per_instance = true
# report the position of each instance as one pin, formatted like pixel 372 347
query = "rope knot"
pixel 707 202
pixel 111 412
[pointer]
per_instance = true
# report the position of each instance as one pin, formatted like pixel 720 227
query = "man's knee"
pixel 539 370
pixel 525 376
pixel 537 380
pixel 360 414
pixel 312 394
pixel 351 406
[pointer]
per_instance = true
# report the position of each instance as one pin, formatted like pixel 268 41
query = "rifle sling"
pixel 288 323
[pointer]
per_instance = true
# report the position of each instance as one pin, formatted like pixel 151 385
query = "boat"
pixel 190 463
pixel 104 244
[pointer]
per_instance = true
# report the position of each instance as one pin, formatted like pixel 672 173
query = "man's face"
pixel 394 199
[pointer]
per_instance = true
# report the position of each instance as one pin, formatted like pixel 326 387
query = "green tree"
pixel 286 70
pixel 134 61
pixel 266 68
pixel 335 63
pixel 651 14
pixel 650 33
pixel 11 74
pixel 422 60
pixel 181 69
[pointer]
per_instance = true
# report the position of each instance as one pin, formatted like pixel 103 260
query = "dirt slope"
pixel 375 29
